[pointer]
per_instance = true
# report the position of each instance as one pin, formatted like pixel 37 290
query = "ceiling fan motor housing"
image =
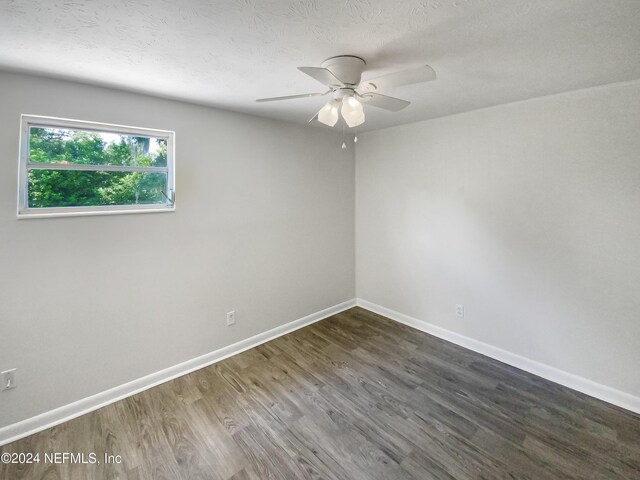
pixel 347 68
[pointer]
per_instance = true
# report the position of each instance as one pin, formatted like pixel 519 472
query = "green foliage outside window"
pixel 73 188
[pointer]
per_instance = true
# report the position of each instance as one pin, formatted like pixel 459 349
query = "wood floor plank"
pixel 355 396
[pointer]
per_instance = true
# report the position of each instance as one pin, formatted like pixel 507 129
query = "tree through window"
pixel 73 167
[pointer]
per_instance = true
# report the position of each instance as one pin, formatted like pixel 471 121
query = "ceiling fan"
pixel 342 74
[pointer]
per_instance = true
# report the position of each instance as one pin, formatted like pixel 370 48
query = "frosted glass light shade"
pixel 352 111
pixel 329 113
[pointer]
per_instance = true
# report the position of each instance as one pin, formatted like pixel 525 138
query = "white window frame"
pixel 28 121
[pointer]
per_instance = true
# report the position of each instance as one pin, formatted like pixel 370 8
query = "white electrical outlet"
pixel 460 310
pixel 8 379
pixel 231 318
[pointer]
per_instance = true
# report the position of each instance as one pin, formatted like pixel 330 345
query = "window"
pixel 71 167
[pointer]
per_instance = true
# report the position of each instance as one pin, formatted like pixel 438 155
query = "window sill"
pixel 81 212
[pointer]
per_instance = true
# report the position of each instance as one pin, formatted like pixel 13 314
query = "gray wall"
pixel 264 225
pixel 527 214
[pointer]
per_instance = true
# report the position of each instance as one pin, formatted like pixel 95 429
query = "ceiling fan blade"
pixel 322 75
pixel 404 77
pixel 382 101
pixel 290 97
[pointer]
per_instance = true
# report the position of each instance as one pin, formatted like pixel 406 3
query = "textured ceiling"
pixel 228 53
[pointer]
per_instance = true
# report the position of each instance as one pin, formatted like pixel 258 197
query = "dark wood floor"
pixel 355 396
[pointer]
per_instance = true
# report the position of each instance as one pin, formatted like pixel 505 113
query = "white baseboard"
pixel 32 425
pixel 588 387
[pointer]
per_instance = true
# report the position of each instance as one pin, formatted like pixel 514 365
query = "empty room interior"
pixel 320 239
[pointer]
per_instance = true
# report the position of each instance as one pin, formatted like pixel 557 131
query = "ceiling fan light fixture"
pixel 352 111
pixel 342 74
pixel 329 113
